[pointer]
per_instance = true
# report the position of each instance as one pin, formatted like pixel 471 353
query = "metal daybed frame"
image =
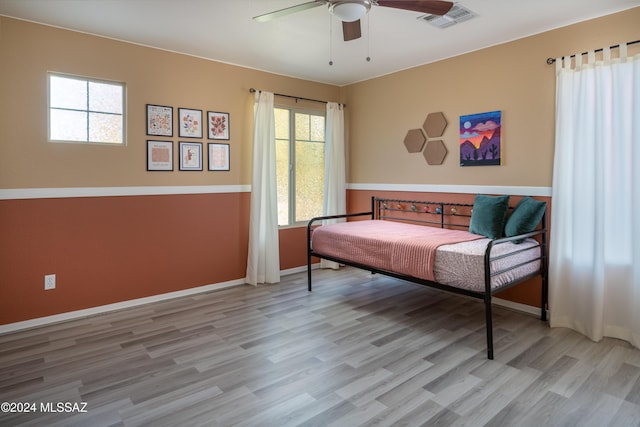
pixel 444 215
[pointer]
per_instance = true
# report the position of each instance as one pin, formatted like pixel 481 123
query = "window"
pixel 85 110
pixel 300 165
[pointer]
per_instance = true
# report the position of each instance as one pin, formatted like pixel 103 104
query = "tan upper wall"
pixel 511 77
pixel 152 76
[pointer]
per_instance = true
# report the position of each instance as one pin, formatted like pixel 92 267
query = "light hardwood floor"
pixel 360 349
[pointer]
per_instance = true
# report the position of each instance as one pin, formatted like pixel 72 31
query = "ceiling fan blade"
pixel 351 30
pixel 289 10
pixel 432 7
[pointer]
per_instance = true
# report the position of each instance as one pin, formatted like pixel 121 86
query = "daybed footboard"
pixel 500 257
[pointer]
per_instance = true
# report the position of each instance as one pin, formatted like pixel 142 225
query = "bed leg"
pixel 309 255
pixel 489 326
pixel 545 270
pixel 309 273
pixel 544 297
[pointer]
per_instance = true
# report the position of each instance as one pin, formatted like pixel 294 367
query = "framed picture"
pixel 218 125
pixel 159 155
pixel 190 123
pixel 218 157
pixel 190 156
pixel 481 139
pixel 159 120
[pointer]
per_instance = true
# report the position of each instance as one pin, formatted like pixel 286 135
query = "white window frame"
pixel 87 80
pixel 292 170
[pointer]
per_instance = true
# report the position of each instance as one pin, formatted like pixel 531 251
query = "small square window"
pixel 86 110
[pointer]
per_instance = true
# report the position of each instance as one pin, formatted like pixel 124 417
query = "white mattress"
pixel 458 265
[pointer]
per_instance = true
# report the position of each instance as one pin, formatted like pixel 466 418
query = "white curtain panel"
pixel 594 267
pixel 263 260
pixel 335 186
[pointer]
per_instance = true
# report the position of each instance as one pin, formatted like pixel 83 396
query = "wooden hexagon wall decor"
pixel 435 152
pixel 434 125
pixel 414 141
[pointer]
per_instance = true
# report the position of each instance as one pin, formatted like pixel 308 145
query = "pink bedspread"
pixel 399 247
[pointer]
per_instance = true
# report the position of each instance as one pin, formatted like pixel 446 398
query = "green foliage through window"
pixel 300 165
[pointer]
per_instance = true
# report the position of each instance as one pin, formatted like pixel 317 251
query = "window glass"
pixel 309 180
pixel 66 125
pixel 282 125
pixel 86 110
pixel 300 165
pixel 316 128
pixel 302 126
pixel 106 98
pixel 67 93
pixel 105 127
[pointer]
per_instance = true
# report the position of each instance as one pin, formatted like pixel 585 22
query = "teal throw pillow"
pixel 525 217
pixel 488 217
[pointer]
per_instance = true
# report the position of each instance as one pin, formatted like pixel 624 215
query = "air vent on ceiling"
pixel 456 15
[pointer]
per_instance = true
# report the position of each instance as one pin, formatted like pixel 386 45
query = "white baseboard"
pixel 301 269
pixel 72 315
pixel 517 306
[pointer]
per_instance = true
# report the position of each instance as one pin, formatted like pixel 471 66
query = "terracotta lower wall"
pixel 293 247
pixel 525 293
pixel 111 249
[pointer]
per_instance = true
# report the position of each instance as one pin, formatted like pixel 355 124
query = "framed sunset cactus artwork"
pixel 481 139
pixel 218 125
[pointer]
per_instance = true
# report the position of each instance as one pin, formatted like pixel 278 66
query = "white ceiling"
pixel 301 45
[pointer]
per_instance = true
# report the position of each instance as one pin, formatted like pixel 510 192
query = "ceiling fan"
pixel 350 11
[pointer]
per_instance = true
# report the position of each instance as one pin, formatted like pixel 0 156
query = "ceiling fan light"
pixel 350 11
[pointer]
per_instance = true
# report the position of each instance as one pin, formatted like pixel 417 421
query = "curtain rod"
pixel 252 90
pixel 552 60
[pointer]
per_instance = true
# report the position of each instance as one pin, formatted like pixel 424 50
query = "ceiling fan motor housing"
pixel 350 10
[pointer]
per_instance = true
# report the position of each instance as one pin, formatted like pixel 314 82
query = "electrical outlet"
pixel 49 282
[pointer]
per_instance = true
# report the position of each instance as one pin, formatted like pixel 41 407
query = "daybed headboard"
pixel 455 215
pixel 493 217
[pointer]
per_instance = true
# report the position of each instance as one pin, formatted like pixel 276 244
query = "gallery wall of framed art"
pixel 190 124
